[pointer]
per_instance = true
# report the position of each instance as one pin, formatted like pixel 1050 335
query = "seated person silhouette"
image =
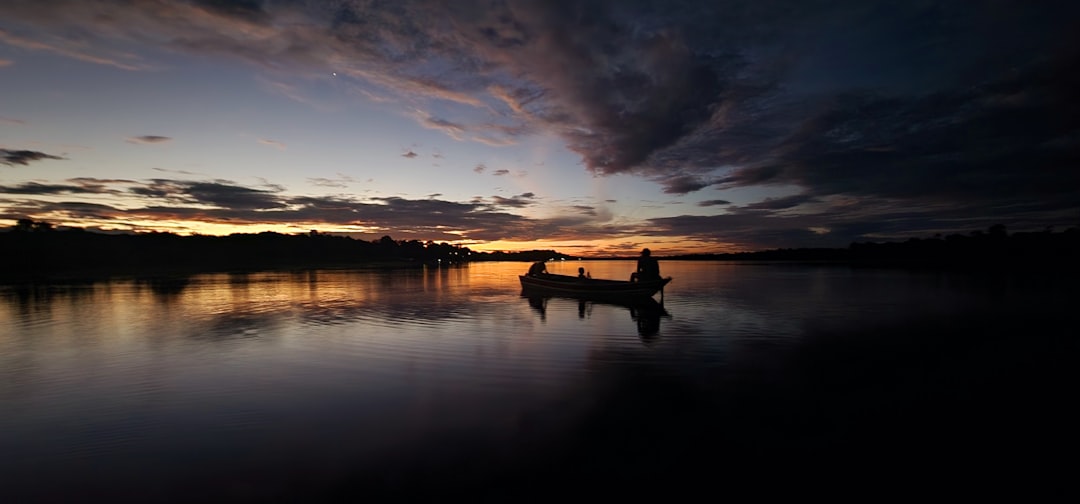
pixel 582 274
pixel 537 268
pixel 647 268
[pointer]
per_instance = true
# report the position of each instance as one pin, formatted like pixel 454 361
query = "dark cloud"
pixel 479 168
pixel 219 193
pixel 518 201
pixel 23 157
pixel 409 154
pixel 181 172
pixel 684 184
pixel 232 196
pixel 36 188
pixel 587 209
pixel 65 210
pixel 80 186
pixel 780 203
pixel 715 202
pixel 500 172
pixel 149 139
pixel 996 145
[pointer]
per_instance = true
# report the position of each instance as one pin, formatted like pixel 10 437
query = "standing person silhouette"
pixel 647 268
pixel 581 273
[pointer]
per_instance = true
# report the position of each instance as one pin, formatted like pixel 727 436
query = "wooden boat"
pixel 590 287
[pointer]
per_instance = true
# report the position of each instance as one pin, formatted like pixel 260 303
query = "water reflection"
pixel 303 384
pixel 644 312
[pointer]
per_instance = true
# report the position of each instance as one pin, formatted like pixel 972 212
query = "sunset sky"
pixel 590 127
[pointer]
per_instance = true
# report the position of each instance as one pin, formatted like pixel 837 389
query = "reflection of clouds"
pixel 388 313
pixel 245 304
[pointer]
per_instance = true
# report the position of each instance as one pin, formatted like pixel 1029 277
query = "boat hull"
pixel 590 287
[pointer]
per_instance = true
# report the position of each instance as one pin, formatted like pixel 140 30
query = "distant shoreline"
pixel 92 275
pixel 32 253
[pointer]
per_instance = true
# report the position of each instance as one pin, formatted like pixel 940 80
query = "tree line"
pixel 992 248
pixel 34 248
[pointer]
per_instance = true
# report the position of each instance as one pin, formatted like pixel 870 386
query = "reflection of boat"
pixel 645 311
pixel 594 288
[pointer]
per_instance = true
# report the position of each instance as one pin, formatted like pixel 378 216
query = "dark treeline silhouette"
pixel 33 249
pixel 37 249
pixel 783 254
pixel 994 249
pixel 525 255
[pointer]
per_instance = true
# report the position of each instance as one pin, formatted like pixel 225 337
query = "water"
pixel 448 382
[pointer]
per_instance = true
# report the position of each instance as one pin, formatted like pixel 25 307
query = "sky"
pixel 588 127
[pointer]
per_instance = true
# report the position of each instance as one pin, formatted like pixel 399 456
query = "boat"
pixel 590 287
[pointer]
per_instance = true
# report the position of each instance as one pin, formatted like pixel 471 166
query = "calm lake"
pixel 447 382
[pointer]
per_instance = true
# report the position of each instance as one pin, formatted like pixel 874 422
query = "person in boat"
pixel 647 268
pixel 581 273
pixel 537 268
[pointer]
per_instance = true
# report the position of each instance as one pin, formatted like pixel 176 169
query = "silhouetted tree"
pixel 24 225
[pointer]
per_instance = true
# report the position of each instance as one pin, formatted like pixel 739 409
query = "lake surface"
pixel 448 382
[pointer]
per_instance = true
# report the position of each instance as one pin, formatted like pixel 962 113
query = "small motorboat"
pixel 590 287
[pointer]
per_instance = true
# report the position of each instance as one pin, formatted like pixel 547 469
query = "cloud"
pixel 715 202
pixel 518 201
pixel 587 209
pixel 273 143
pixel 969 145
pixel 70 49
pixel 684 184
pixel 223 194
pixel 39 189
pixel 9 120
pixel 479 168
pixel 82 185
pixel 6 62
pixel 222 202
pixel 340 181
pixel 23 157
pixel 780 203
pixel 148 139
pixel 181 172
pixel 452 129
pixel 936 105
pixel 500 172
pixel 410 154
